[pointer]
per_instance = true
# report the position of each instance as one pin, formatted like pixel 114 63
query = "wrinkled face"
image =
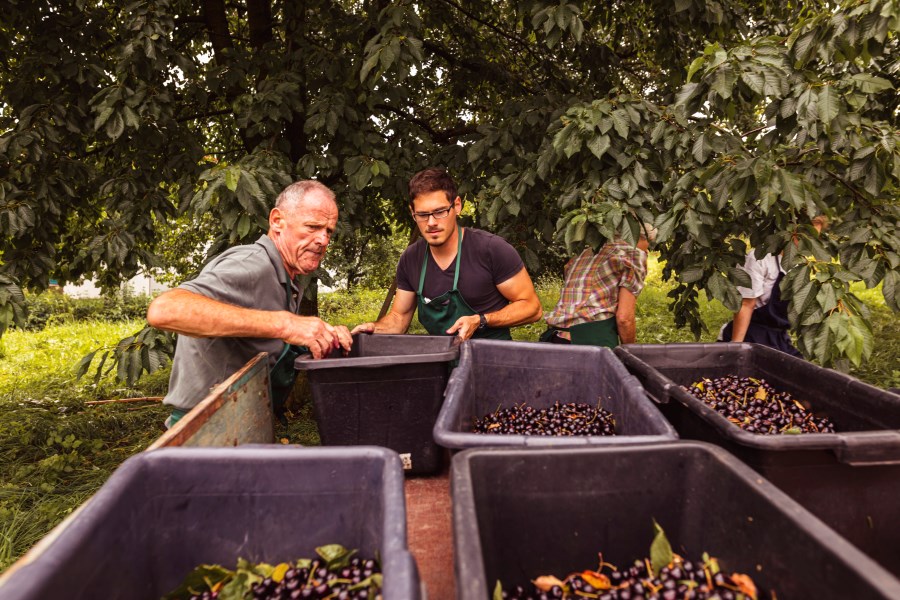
pixel 436 231
pixel 302 232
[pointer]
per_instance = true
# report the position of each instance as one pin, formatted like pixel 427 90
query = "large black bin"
pixel 521 513
pixel 166 511
pixel 849 479
pixel 493 374
pixel 387 392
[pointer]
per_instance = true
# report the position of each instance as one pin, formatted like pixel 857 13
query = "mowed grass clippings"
pixel 56 451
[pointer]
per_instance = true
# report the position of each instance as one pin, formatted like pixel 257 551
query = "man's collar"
pixel 275 257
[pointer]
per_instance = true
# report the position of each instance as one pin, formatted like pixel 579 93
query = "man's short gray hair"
pixel 291 196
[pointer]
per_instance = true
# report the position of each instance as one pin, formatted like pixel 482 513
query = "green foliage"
pixel 564 122
pixel 768 132
pixel 182 247
pixel 146 351
pixel 365 257
pixel 48 308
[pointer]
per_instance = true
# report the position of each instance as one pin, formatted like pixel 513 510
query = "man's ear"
pixel 457 204
pixel 276 219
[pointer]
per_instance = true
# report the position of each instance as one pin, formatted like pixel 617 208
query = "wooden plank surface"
pixel 237 411
pixel 429 526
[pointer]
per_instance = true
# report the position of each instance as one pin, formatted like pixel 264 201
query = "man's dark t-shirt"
pixel 487 261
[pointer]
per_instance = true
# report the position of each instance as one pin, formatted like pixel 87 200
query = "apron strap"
pixel 425 263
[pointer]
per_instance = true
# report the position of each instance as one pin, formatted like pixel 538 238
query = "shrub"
pixel 50 308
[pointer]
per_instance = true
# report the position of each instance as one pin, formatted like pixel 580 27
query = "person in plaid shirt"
pixel 597 302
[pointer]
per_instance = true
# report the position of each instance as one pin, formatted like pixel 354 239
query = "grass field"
pixel 55 450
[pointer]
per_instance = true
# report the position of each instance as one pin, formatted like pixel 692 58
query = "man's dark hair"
pixel 432 179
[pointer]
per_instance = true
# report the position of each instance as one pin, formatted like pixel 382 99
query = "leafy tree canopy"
pixel 726 123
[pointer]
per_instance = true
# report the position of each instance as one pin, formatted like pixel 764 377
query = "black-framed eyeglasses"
pixel 438 214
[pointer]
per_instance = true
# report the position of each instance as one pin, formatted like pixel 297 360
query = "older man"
pixel 246 301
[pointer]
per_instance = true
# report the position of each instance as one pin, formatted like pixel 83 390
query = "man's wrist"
pixel 482 321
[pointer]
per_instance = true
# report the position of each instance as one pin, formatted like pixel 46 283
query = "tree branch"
pixel 437 136
pixel 488 24
pixel 215 113
pixel 482 68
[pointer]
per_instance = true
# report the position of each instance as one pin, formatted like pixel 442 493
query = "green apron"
pixel 438 315
pixel 282 375
pixel 596 333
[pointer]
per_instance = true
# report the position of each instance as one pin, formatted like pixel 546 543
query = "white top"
pixel 763 274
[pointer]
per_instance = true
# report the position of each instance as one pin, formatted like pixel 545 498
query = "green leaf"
pixel 388 55
pixel 84 364
pixel 232 176
pixel 367 66
pixel 599 145
pixel 754 80
pixel 691 274
pixel 115 126
pixel 890 288
pixel 695 65
pixel 665 228
pixel 739 276
pixel 724 80
pixel 660 549
pixel 102 118
pixel 498 591
pixel 702 149
pixel 826 298
pixel 239 587
pixel 792 189
pixel 335 555
pixel 870 84
pixel 200 579
pixel 829 104
pixel 862 341
pixel 621 122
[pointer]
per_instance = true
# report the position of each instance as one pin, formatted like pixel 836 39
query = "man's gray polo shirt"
pixel 252 276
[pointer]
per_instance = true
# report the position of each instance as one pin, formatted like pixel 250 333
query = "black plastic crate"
pixel 850 479
pixel 165 512
pixel 495 374
pixel 387 392
pixel 520 513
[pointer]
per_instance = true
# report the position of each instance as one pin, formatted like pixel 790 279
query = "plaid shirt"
pixel 591 291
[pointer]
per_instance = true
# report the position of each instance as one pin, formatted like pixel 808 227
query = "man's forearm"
pixel 742 320
pixel 393 323
pixel 627 330
pixel 192 314
pixel 518 312
pixel 625 316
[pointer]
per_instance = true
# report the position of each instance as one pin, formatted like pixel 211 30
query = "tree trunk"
pixel 293 130
pixel 259 15
pixel 216 17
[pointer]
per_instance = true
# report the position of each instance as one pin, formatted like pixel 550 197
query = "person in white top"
pixel 763 316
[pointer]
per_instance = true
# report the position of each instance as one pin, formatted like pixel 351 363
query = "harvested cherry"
pixel 756 407
pixel 662 576
pixel 559 420
pixel 336 574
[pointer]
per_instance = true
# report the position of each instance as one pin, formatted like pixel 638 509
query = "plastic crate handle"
pixel 656 386
pixel 870 448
